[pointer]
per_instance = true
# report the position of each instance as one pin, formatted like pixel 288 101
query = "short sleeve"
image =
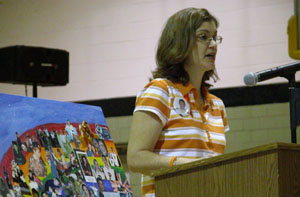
pixel 155 98
pixel 224 117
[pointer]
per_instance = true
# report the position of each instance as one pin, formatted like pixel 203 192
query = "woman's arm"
pixel 145 131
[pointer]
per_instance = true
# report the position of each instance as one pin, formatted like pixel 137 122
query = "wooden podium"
pixel 269 170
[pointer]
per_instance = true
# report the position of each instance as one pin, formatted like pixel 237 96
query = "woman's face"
pixel 91 193
pixel 24 148
pixel 119 177
pixel 104 161
pixel 102 147
pixel 84 160
pixel 101 185
pixel 85 189
pixel 93 148
pixel 96 163
pixel 37 152
pixel 203 54
pixel 181 104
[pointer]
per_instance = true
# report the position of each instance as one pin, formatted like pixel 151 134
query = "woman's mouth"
pixel 211 56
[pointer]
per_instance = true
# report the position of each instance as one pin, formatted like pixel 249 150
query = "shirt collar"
pixel 185 89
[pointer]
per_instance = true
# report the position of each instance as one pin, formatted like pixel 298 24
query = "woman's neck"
pixel 196 77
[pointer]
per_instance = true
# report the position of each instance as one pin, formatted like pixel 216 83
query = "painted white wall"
pixel 112 43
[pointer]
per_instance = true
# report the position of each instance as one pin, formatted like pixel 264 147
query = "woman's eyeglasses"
pixel 204 38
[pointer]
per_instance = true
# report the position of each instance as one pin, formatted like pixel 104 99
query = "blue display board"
pixel 53 148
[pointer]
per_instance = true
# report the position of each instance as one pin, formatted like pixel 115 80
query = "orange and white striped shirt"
pixel 188 130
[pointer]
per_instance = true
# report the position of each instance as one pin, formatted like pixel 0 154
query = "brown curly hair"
pixel 176 42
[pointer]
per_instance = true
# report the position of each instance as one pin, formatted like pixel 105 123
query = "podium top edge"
pixel 228 156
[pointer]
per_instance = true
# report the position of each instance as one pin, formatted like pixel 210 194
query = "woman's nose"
pixel 212 43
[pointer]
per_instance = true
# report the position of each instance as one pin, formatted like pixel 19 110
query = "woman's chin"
pixel 208 66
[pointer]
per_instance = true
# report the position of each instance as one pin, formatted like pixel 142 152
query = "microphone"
pixel 251 78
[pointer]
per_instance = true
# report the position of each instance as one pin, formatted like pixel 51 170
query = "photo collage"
pixel 63 159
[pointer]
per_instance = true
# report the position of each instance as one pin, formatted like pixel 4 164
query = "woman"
pixel 101 187
pixel 87 134
pixel 166 134
pixel 95 151
pixel 85 166
pixel 108 171
pixel 36 163
pixel 102 148
pixel 85 190
pixel 92 193
pixel 98 172
pixel 89 151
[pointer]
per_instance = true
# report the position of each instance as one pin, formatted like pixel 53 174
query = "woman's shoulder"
pixel 161 83
pixel 216 101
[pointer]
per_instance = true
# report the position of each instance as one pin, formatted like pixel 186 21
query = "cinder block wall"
pixel 257 125
pixel 250 126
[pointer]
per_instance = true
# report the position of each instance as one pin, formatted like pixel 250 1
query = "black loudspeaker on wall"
pixel 34 66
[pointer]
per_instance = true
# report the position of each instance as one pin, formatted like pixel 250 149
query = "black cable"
pixel 26 92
